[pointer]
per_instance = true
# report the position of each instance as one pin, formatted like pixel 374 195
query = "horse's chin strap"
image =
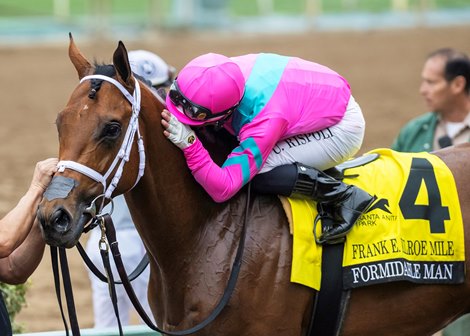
pixel 124 152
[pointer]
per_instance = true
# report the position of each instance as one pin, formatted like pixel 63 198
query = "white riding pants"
pixel 325 148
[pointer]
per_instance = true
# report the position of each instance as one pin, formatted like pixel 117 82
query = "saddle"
pixel 338 172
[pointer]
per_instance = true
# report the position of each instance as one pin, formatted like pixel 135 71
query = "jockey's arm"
pixel 242 164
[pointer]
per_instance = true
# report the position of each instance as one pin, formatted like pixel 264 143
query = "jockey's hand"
pixel 180 134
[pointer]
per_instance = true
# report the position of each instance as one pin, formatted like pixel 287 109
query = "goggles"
pixel 193 110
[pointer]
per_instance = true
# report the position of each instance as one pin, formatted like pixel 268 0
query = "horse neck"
pixel 168 205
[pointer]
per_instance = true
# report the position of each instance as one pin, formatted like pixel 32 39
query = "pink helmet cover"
pixel 211 80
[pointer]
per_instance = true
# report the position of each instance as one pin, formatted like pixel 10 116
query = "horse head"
pixel 99 140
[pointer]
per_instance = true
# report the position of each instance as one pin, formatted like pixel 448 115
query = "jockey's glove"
pixel 180 134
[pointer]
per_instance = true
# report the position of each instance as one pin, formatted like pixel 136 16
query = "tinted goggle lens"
pixel 190 109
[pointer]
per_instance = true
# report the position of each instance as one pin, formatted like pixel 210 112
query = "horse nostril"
pixel 61 220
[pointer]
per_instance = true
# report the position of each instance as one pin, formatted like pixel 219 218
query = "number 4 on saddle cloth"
pixel 412 232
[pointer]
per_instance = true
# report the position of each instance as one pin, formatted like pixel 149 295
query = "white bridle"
pixel 124 152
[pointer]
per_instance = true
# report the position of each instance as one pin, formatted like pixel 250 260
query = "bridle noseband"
pixel 124 152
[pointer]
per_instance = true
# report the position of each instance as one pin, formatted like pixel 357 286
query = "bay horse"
pixel 192 241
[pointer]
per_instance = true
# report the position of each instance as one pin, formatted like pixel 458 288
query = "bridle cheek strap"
pixel 124 152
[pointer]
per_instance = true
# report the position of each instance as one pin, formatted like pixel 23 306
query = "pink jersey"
pixel 284 96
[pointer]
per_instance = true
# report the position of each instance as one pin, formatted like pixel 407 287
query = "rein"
pixel 230 287
pixel 141 266
pixel 107 226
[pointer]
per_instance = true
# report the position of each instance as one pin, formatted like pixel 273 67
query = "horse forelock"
pixel 100 69
pixel 110 71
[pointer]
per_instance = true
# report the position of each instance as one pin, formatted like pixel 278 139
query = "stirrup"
pixel 341 236
pixel 320 240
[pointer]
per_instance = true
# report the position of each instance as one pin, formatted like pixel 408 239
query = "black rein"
pixel 126 282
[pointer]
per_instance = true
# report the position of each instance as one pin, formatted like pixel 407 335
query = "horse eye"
pixel 112 130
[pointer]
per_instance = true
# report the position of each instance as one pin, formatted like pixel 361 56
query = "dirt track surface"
pixel 383 68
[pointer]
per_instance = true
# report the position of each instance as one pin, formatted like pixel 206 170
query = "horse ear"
pixel 81 64
pixel 121 63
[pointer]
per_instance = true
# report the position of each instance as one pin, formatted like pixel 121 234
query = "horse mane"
pixel 143 80
pixel 218 142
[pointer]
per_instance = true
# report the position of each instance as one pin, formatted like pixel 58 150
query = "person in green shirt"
pixel 445 88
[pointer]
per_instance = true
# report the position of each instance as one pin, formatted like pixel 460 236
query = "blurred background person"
pixel 151 68
pixel 157 73
pixel 445 87
pixel 21 241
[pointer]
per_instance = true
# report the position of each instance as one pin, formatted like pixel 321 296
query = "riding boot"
pixel 339 204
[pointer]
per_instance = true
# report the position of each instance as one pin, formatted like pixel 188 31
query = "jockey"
pixel 152 68
pixel 293 118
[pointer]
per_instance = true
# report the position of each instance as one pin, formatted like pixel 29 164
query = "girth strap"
pixel 332 299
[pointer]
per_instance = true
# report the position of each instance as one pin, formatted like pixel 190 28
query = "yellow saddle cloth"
pixel 413 231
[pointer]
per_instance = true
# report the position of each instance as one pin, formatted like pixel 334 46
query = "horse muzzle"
pixel 59 228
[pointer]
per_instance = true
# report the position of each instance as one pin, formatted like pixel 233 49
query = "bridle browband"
pixel 124 152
